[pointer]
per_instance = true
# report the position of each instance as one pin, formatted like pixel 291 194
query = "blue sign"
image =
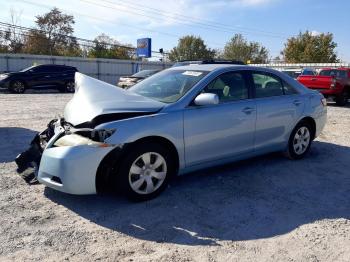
pixel 144 47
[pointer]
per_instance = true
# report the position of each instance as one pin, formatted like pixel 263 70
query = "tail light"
pixel 334 83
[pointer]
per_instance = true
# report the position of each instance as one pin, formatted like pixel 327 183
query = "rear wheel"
pixel 342 99
pixel 146 171
pixel 17 87
pixel 300 141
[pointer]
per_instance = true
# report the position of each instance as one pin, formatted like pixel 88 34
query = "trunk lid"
pixel 94 98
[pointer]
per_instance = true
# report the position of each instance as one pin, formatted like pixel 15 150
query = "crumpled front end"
pixel 71 169
pixel 67 158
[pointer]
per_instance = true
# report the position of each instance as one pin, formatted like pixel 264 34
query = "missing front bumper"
pixel 31 157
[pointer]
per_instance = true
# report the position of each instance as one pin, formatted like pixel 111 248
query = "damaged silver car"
pixel 177 121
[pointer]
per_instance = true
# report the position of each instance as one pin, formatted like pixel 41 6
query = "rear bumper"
pixel 321 120
pixel 329 92
pixel 126 84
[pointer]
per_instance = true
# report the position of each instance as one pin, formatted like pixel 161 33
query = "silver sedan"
pixel 174 122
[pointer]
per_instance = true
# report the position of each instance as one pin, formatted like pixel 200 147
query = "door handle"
pixel 248 110
pixel 296 102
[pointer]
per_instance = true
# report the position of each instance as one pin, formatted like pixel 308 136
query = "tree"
pixel 310 48
pixel 191 48
pixel 107 47
pixel 11 39
pixel 53 36
pixel 3 45
pixel 238 48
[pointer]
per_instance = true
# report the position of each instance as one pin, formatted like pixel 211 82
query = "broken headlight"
pixel 89 137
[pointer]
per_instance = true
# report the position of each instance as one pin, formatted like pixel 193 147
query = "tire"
pixel 300 141
pixel 136 176
pixel 69 87
pixel 342 99
pixel 17 87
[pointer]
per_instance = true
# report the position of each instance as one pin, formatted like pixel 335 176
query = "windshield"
pixel 333 72
pixel 145 73
pixel 27 68
pixel 168 86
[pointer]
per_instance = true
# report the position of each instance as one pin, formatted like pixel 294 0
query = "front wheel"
pixel 17 87
pixel 300 141
pixel 145 171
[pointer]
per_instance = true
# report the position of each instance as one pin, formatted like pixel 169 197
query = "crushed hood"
pixel 96 99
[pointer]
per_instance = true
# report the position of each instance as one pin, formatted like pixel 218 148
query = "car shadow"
pixel 14 140
pixel 253 199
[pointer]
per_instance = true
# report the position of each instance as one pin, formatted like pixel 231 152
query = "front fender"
pixel 165 125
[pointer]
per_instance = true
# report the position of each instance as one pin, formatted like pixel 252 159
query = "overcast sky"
pixel 269 22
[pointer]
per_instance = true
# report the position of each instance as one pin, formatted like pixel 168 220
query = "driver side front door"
pixel 224 130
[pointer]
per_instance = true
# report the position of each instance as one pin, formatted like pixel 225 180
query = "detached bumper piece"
pixel 28 161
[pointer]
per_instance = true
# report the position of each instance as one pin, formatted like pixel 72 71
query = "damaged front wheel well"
pixel 108 168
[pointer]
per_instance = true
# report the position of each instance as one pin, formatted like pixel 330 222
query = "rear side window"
pixel 45 69
pixel 230 86
pixel 267 85
pixel 334 72
pixel 66 69
pixel 52 69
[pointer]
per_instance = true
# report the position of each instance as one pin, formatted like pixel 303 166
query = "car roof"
pixel 209 67
pixel 53 65
pixel 216 67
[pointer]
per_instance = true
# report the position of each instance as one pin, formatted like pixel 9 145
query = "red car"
pixel 330 82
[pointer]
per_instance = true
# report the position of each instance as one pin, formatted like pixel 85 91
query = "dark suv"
pixel 59 77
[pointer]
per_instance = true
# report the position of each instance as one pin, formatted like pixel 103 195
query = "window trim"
pixel 252 83
pixel 245 74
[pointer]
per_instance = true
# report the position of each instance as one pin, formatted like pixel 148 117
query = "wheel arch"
pixel 109 165
pixel 20 80
pixel 312 122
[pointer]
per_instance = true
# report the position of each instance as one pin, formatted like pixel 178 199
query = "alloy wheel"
pixel 70 86
pixel 18 87
pixel 147 173
pixel 301 140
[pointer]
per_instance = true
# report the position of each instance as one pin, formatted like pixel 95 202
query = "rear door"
pixel 58 75
pixel 227 129
pixel 279 106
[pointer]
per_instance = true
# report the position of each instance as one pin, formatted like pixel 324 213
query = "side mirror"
pixel 205 99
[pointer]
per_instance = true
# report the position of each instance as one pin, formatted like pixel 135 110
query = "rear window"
pixel 334 72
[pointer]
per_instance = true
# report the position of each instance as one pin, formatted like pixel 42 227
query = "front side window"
pixel 267 85
pixel 229 87
pixel 168 86
pixel 288 89
pixel 39 69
